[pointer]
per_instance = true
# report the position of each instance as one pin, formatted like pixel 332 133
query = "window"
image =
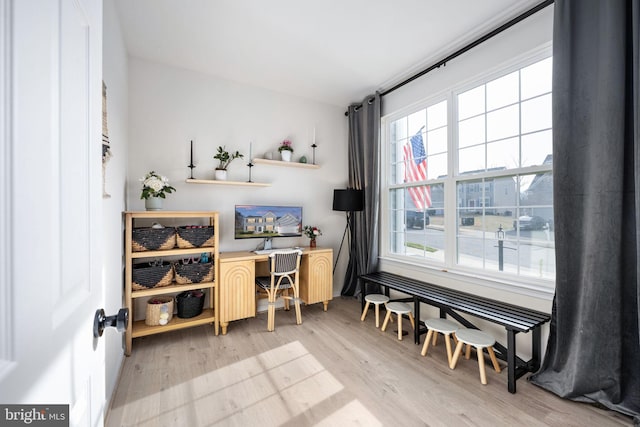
pixel 469 180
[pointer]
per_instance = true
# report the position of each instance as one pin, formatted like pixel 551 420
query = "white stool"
pixel 443 326
pixel 479 340
pixel 399 308
pixel 375 299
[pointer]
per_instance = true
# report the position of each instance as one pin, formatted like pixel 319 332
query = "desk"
pixel 237 283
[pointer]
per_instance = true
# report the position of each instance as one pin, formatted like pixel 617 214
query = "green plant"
pixel 225 158
pixel 285 146
pixel 154 185
pixel 311 231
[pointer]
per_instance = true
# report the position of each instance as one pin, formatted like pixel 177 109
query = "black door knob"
pixel 118 321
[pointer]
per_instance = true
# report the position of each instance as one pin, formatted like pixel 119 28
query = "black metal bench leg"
pixel 511 360
pixel 416 318
pixel 536 346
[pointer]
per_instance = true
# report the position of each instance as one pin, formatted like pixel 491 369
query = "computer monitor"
pixel 267 222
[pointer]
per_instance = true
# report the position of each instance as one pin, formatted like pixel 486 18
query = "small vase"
pixel 312 243
pixel 221 174
pixel 153 203
pixel 285 155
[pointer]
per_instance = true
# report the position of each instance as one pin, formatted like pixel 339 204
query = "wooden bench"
pixel 451 302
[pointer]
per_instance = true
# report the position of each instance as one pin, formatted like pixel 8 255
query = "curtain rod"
pixel 468 47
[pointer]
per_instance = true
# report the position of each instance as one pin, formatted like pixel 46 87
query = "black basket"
pixel 153 239
pixel 145 276
pixel 190 303
pixel 195 236
pixel 193 273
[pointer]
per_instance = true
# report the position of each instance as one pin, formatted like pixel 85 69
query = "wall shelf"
pixel 238 183
pixel 287 164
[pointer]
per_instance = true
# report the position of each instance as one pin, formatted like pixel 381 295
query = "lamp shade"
pixel 349 200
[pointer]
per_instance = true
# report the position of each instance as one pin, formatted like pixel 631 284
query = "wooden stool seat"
pixel 443 326
pixel 375 299
pixel 399 308
pixel 480 340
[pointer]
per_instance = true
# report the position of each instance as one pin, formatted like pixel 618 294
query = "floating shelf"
pixel 287 164
pixel 211 181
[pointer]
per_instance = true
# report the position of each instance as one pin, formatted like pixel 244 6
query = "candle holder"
pixel 191 165
pixel 314 146
pixel 250 165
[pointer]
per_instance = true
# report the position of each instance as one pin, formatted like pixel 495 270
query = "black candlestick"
pixel 250 165
pixel 314 152
pixel 191 165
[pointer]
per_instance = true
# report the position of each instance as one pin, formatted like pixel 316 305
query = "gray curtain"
pixel 364 174
pixel 593 353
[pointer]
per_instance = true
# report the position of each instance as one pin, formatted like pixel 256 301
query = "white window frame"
pixel 522 284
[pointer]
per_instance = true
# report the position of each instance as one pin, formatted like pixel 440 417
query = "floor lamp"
pixel 349 200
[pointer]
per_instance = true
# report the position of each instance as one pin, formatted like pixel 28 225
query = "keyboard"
pixel 269 251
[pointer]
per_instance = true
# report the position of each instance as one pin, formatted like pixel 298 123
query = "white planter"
pixel 221 175
pixel 153 203
pixel 285 155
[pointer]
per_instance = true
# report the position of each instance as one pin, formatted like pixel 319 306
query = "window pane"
pixel 399 129
pixel 503 154
pixel 536 79
pixel 416 121
pixel 437 166
pixel 437 115
pixel 437 141
pixel 502 91
pixel 536 114
pixel 418 232
pixel 471 159
pixel 537 148
pixel 471 103
pixel 471 131
pixel 503 123
pixel 504 198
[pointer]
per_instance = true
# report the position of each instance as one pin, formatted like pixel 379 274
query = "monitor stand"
pixel 267 243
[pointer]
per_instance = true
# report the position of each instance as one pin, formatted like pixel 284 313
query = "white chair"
pixel 480 340
pixel 399 308
pixel 377 300
pixel 284 269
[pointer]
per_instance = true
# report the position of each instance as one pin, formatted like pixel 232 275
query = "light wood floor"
pixel 332 370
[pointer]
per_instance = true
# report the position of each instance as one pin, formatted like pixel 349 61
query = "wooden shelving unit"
pixel 210 314
pixel 285 164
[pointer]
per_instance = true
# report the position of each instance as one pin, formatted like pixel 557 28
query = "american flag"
pixel 415 159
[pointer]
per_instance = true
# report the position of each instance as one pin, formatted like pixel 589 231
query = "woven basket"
pixel 195 237
pixel 193 273
pixel 152 239
pixel 145 276
pixel 159 311
pixel 189 304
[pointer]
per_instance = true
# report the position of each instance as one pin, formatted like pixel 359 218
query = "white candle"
pixel 314 134
pixel 250 149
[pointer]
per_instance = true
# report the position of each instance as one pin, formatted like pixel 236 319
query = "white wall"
pixel 169 107
pixel 532 34
pixel 114 65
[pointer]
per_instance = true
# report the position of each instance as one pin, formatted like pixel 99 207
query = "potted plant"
pixel 285 150
pixel 224 158
pixel 154 187
pixel 311 232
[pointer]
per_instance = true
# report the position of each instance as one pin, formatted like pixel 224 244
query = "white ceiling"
pixel 332 51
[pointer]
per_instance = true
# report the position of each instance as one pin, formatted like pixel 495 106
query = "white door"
pixel 50 184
